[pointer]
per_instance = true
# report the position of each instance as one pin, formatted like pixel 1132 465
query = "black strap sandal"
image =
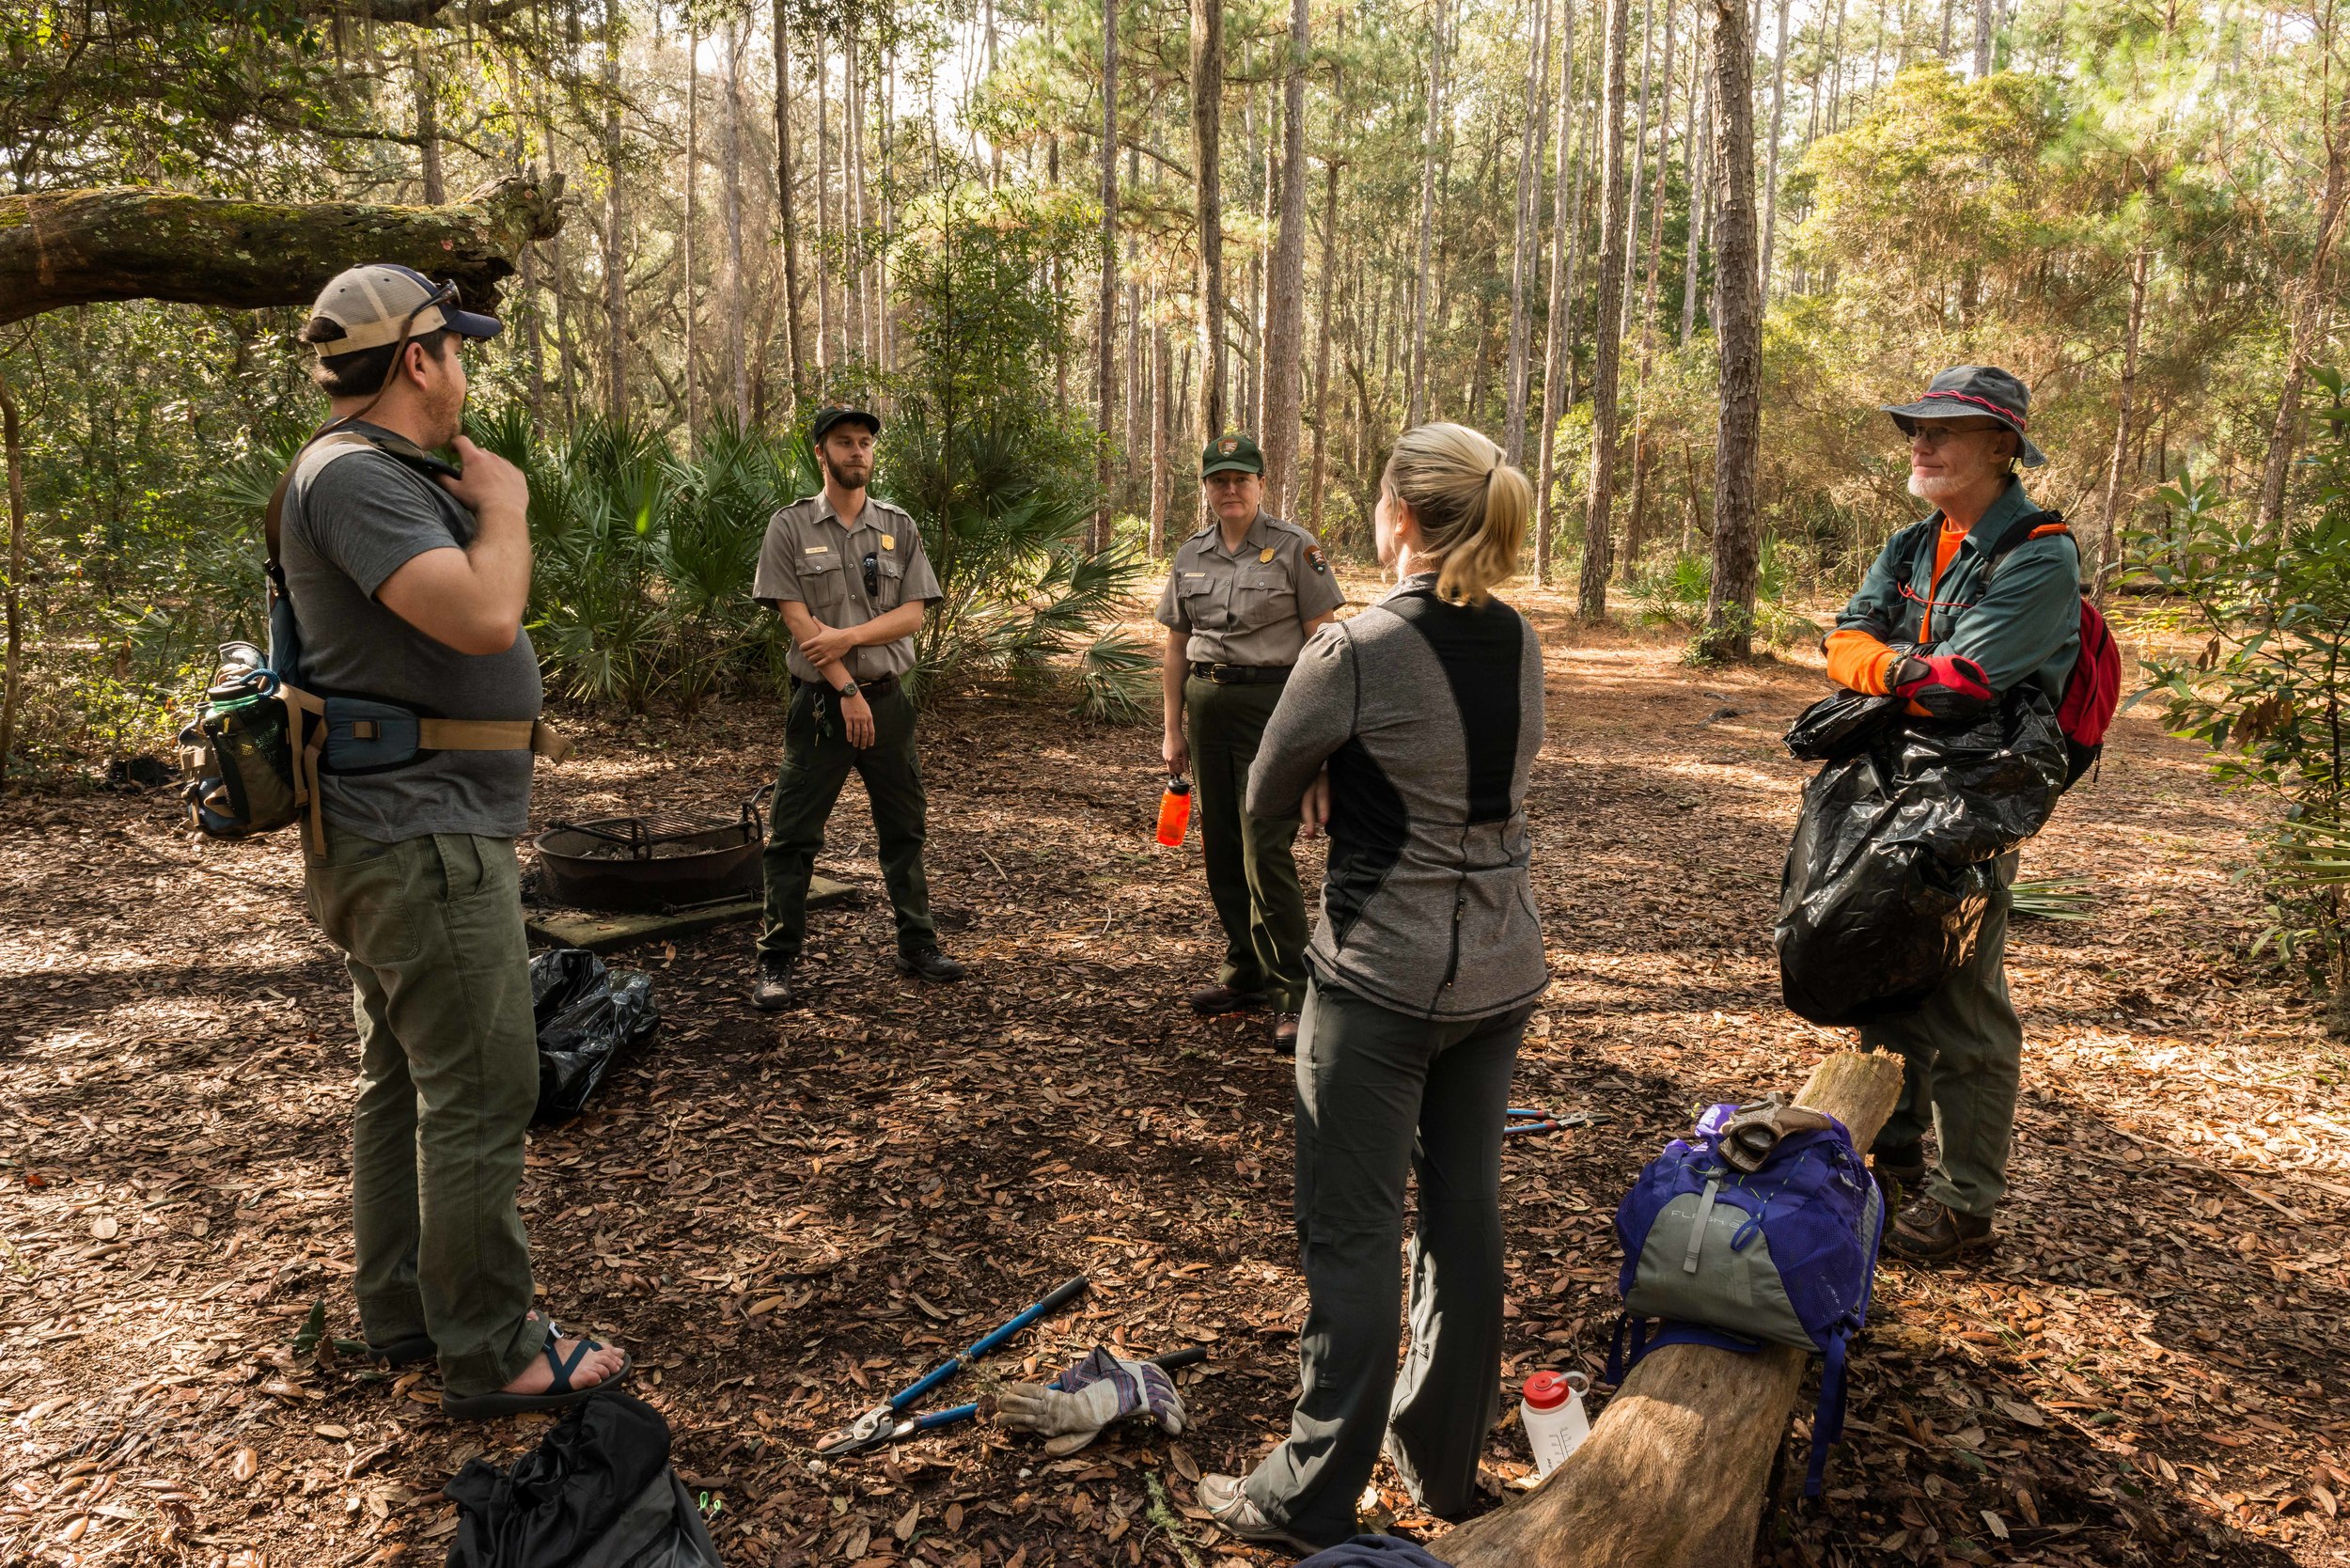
pixel 559 1395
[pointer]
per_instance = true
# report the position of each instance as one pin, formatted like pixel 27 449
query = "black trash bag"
pixel 596 1493
pixel 586 1015
pixel 1835 727
pixel 1888 874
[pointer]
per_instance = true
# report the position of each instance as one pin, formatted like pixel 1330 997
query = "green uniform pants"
pixel 1380 1094
pixel 431 930
pixel 816 760
pixel 1252 874
pixel 1962 1058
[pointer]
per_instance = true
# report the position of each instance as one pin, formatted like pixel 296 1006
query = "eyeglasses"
pixel 1933 434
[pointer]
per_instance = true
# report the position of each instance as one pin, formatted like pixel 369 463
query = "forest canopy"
pixel 1319 222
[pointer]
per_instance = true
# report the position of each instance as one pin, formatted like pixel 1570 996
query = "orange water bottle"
pixel 1174 811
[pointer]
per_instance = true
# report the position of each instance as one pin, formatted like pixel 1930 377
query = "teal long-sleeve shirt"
pixel 2021 623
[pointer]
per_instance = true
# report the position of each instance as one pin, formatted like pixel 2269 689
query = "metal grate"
pixel 641 836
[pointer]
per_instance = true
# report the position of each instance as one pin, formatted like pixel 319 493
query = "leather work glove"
pixel 1944 685
pixel 1071 1410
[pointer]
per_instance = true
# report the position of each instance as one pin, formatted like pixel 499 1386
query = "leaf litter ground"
pixel 787 1217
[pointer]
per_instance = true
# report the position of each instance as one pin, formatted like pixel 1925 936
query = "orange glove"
pixel 1860 663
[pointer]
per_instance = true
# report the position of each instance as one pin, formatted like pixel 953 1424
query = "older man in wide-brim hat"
pixel 1959 609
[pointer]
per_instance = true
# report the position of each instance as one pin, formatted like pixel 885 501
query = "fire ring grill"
pixel 656 862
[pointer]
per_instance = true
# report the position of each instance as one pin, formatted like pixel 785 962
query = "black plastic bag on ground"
pixel 596 1493
pixel 586 1015
pixel 1889 875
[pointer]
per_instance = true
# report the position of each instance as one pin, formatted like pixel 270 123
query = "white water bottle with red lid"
pixel 1550 1406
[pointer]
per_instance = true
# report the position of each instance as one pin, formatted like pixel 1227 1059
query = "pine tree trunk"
pixel 690 301
pixel 795 334
pixel 1327 330
pixel 1698 157
pixel 1285 302
pixel 2101 567
pixel 1738 332
pixel 1555 372
pixel 1207 141
pixel 1608 331
pixel 1770 177
pixel 1162 422
pixel 1640 145
pixel 1982 36
pixel 1107 325
pixel 12 674
pixel 616 230
pixel 738 365
pixel 1431 139
pixel 1523 252
pixel 825 358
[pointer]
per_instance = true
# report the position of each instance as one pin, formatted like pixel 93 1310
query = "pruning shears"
pixel 1523 1118
pixel 893 1423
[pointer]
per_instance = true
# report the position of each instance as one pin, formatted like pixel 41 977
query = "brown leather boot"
pixel 1212 999
pixel 1929 1231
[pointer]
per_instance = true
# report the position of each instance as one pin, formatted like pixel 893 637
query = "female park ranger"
pixel 1246 592
pixel 1411 731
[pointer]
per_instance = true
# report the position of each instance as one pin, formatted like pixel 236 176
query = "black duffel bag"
pixel 1888 874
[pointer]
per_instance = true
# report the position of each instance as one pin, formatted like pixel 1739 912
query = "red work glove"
pixel 1944 685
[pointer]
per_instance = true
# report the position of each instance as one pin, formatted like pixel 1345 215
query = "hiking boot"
pixel 1285 1034
pixel 1229 1506
pixel 1212 999
pixel 931 964
pixel 1931 1232
pixel 773 992
pixel 1901 1173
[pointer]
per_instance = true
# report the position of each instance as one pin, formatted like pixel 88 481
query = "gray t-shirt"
pixel 351 519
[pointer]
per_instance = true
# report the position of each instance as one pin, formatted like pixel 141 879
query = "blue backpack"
pixel 1762 1229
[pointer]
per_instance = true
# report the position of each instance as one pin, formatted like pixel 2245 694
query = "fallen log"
pixel 1673 1473
pixel 135 242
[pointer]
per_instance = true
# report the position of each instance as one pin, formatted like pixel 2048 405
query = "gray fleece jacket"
pixel 1429 716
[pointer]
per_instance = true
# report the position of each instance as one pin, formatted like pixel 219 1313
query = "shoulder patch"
pixel 1317 560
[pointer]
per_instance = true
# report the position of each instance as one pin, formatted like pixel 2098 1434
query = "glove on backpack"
pixel 1760 1229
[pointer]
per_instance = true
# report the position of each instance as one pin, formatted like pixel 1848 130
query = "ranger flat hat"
pixel 379 304
pixel 1966 391
pixel 840 414
pixel 1231 454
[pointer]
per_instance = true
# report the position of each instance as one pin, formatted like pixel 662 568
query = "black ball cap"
pixel 840 414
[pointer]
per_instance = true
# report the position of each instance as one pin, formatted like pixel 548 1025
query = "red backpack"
pixel 2092 692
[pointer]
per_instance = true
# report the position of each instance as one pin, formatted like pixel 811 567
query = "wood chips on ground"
pixel 789 1217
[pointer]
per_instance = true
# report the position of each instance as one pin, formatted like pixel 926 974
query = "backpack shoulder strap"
pixel 2032 525
pixel 337 442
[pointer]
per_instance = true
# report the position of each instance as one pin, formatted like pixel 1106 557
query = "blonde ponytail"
pixel 1471 507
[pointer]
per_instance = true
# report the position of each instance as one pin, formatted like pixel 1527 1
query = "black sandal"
pixel 560 1395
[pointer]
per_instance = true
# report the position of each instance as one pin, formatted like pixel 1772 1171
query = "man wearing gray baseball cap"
pixel 1959 609
pixel 406 580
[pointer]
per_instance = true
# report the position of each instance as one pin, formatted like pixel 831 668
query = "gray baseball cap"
pixel 1968 391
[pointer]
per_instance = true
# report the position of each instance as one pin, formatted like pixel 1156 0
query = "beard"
pixel 446 414
pixel 849 476
pixel 1956 479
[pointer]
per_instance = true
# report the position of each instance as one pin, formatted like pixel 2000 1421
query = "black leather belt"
pixel 1240 675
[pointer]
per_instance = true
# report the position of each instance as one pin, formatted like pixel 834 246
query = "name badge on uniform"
pixel 1265 553
pixel 818 550
pixel 1195 574
pixel 889 542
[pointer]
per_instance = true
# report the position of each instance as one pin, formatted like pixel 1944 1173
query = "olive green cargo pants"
pixel 431 930
pixel 1962 1060
pixel 1252 873
pixel 816 760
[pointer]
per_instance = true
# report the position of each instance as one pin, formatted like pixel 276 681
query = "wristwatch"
pixel 842 694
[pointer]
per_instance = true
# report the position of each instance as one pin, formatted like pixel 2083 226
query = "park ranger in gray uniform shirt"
pixel 1246 592
pixel 846 571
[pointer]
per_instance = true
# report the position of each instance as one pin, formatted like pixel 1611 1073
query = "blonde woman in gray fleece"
pixel 1409 730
